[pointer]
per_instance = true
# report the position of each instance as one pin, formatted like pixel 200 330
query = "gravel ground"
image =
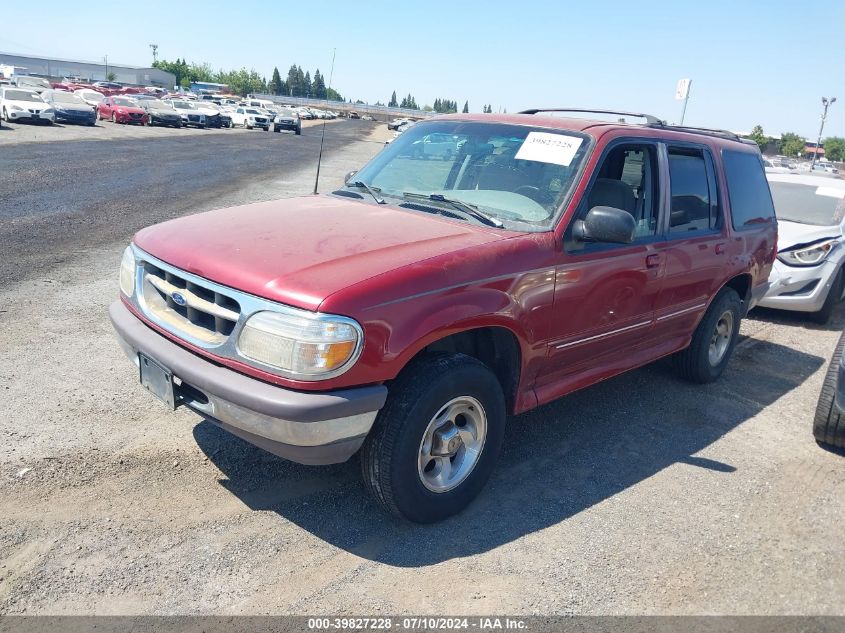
pixel 641 495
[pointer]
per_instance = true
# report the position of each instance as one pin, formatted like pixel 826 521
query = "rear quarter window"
pixel 748 190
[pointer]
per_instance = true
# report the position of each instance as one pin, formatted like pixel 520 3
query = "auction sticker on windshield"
pixel 543 147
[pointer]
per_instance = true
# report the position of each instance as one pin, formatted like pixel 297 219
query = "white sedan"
pixel 808 273
pixel 17 104
pixel 91 97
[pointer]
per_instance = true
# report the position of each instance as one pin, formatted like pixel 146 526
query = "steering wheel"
pixel 530 191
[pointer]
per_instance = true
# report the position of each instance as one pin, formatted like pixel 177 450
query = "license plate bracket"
pixel 157 379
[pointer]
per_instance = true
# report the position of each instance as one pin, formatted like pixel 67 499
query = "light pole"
pixel 826 103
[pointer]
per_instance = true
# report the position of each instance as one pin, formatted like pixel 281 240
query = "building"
pixel 58 69
pixel 813 148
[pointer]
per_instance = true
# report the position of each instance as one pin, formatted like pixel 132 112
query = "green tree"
pixel 758 136
pixel 275 86
pixel 393 102
pixel 318 86
pixel 333 95
pixel 466 107
pixel 792 144
pixel 834 148
pixel 111 77
pixel 306 86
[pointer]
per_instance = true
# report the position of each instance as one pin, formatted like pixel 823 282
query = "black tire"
pixel 113 117
pixel 828 424
pixel 694 363
pixel 390 454
pixel 299 131
pixel 5 115
pixel 833 296
pixel 276 129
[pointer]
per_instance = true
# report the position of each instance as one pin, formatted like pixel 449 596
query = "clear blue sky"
pixel 751 61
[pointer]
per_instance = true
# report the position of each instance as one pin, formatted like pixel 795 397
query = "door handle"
pixel 720 248
pixel 653 260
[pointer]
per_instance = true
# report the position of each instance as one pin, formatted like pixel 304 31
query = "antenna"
pixel 323 135
pixel 155 52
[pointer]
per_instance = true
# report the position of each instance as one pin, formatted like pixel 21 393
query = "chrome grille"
pixel 186 306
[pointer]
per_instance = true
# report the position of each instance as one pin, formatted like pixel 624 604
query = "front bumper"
pixel 75 116
pixel 305 427
pixel 799 288
pixel 15 115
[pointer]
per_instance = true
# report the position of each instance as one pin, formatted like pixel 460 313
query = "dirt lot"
pixel 641 495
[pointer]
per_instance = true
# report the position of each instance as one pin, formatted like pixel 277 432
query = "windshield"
pixel 92 95
pixel 184 105
pixel 287 112
pixel 808 204
pixel 156 104
pixel 21 95
pixel 514 173
pixel 252 111
pixel 33 81
pixel 128 103
pixel 66 97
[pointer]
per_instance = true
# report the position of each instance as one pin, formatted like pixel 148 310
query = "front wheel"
pixel 5 115
pixel 713 341
pixel 834 295
pixel 113 117
pixel 435 442
pixel 299 131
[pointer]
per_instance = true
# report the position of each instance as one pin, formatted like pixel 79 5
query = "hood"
pixel 73 107
pixel 207 111
pixel 29 105
pixel 794 233
pixel 161 111
pixel 130 109
pixel 301 250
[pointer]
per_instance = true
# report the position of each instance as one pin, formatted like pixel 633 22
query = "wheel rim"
pixel 721 338
pixel 452 443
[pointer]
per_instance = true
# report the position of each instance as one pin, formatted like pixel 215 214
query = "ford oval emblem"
pixel 179 299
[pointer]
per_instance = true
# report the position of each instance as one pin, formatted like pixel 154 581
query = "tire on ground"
pixel 694 363
pixel 390 454
pixel 828 423
pixel 833 297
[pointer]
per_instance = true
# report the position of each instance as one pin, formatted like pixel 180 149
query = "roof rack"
pixel 650 119
pixel 703 130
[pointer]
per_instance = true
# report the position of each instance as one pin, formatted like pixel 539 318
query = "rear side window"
pixel 694 200
pixel 748 190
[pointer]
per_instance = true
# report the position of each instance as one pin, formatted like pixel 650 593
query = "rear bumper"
pixel 305 427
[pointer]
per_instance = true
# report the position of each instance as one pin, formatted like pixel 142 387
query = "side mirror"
pixel 349 177
pixel 606 224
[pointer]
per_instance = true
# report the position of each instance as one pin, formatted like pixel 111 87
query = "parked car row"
pixel 86 106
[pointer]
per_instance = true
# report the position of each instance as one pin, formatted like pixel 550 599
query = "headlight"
pixel 303 345
pixel 808 255
pixel 48 111
pixel 127 272
pixel 17 108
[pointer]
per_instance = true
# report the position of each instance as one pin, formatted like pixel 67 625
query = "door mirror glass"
pixel 606 224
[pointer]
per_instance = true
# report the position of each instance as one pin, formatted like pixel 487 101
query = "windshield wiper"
pixel 370 190
pixel 464 207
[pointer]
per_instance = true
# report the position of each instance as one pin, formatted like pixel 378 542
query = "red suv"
pixel 479 266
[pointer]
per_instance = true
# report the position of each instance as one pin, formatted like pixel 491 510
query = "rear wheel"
pixel 833 297
pixel 828 423
pixel 437 439
pixel 713 340
pixel 113 117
